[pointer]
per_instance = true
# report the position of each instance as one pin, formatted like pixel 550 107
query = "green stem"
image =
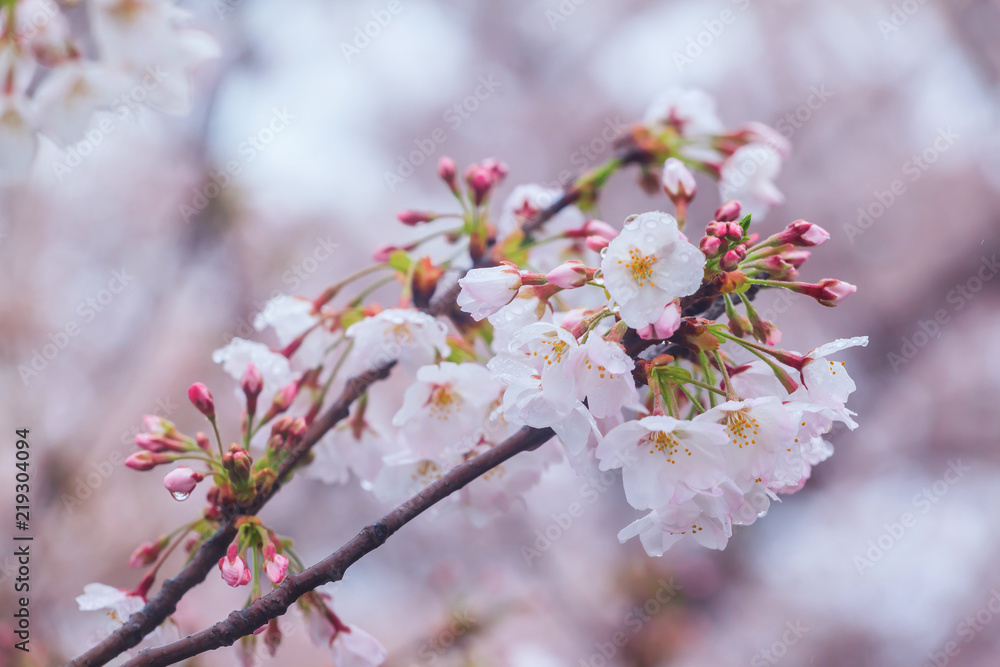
pixel 730 393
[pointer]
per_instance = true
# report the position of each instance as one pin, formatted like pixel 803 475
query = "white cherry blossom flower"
pixel 144 39
pixel 410 336
pixel 692 111
pixel 661 529
pixel 665 460
pixel 603 373
pixel 761 432
pixel 649 265
pixel 120 604
pixel 748 177
pixel 445 408
pixel 291 317
pixel 525 201
pixel 68 97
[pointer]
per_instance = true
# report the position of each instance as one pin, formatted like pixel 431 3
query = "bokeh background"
pixel 873 92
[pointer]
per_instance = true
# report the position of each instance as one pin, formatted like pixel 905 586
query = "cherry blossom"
pixel 748 176
pixel 665 460
pixel 446 405
pixel 120 604
pixel 486 291
pixel 411 337
pixel 649 265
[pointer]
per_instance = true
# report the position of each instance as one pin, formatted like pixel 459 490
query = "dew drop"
pixel 178 496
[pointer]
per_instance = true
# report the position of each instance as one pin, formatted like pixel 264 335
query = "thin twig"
pixel 244 622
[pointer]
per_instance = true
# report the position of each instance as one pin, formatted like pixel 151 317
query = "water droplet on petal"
pixel 180 496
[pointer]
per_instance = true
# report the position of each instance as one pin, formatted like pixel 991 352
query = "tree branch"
pixel 244 622
pixel 164 603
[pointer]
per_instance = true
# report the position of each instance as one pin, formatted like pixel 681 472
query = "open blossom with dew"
pixel 649 265
pixel 234 569
pixel 486 291
pixel 412 337
pixel 445 407
pixel 665 460
pixel 748 176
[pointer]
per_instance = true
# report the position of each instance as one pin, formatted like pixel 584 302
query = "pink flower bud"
pixel 203 442
pixel 730 260
pixel 710 245
pixel 570 274
pixel 717 229
pixel 597 243
pixel 283 399
pixel 446 169
pixel 202 399
pixel 181 482
pixel 157 425
pixel 252 384
pixel 829 292
pixel 480 181
pixel 412 218
pixel 665 326
pixel 143 461
pixel 234 569
pixel 159 443
pixel 802 234
pixel 275 565
pixel 734 231
pixel 728 212
pixel 384 251
pixel 678 181
pixel 145 554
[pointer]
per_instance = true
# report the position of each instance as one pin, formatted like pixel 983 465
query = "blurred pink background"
pixel 872 92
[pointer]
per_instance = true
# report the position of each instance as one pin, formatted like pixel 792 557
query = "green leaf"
pixel 745 223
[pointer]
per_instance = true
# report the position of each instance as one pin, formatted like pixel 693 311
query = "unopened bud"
pixel 570 274
pixel 201 397
pixel 802 234
pixel 728 212
pixel 412 218
pixel 710 245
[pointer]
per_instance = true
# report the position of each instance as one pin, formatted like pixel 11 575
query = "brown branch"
pixel 164 603
pixel 244 622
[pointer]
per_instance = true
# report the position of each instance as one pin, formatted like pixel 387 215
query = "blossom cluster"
pixel 637 343
pixel 52 82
